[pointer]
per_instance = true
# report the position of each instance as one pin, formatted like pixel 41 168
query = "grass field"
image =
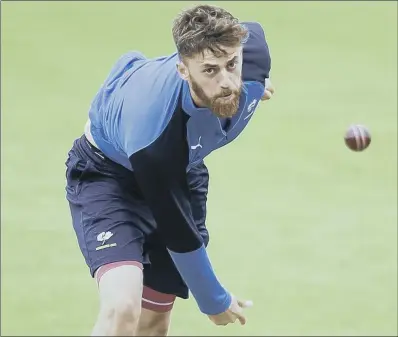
pixel 311 227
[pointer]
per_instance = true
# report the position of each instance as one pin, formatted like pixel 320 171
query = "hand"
pixel 269 90
pixel 234 312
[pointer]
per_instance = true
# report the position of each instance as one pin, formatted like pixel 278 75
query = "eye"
pixel 209 71
pixel 232 64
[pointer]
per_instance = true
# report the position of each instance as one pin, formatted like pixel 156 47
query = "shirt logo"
pixel 250 109
pixel 194 147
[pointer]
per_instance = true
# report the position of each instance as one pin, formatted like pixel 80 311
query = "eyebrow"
pixel 210 65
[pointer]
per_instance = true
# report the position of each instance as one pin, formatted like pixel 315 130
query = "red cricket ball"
pixel 357 137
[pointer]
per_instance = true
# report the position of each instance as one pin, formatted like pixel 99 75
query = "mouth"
pixel 227 97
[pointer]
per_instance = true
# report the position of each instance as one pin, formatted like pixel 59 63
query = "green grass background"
pixel 299 224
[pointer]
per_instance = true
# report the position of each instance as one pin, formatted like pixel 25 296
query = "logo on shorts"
pixel 102 237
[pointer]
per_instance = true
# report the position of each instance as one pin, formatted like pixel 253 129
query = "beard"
pixel 224 104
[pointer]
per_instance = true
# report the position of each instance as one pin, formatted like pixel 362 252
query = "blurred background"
pixel 312 226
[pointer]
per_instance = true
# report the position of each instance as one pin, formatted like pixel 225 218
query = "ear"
pixel 183 71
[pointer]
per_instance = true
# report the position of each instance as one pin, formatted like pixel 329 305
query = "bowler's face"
pixel 215 81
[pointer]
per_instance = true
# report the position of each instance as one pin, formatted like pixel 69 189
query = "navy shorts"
pixel 113 223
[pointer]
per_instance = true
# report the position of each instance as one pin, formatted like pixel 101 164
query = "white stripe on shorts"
pixel 156 303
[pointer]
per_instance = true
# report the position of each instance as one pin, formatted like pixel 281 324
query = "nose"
pixel 225 81
pixel 224 86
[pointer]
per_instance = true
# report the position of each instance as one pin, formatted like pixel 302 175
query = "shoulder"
pixel 124 63
pixel 150 97
pixel 256 55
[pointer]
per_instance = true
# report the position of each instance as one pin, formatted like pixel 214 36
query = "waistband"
pixel 86 149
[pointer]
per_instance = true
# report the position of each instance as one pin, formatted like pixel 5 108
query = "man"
pixel 136 180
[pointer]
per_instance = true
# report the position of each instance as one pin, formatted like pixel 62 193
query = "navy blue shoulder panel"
pixel 160 170
pixel 198 181
pixel 256 56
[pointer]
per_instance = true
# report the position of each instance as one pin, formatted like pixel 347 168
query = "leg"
pixel 120 288
pixel 155 313
pixel 153 323
pixel 107 219
pixel 162 284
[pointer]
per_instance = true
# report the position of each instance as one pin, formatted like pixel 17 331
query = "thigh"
pixel 106 219
pixel 121 286
pixel 120 290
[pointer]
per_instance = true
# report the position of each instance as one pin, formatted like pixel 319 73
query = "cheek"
pixel 209 86
pixel 236 77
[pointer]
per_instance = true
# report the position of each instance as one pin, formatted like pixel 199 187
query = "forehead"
pixel 207 57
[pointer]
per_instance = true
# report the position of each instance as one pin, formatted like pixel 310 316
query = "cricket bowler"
pixel 136 181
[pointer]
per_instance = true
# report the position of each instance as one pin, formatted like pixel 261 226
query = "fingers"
pixel 234 313
pixel 269 90
pixel 242 319
pixel 269 86
pixel 267 95
pixel 228 319
pixel 239 313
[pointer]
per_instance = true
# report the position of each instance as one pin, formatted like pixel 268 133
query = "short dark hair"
pixel 206 27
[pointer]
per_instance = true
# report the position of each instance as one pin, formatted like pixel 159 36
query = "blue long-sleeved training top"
pixel 144 118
